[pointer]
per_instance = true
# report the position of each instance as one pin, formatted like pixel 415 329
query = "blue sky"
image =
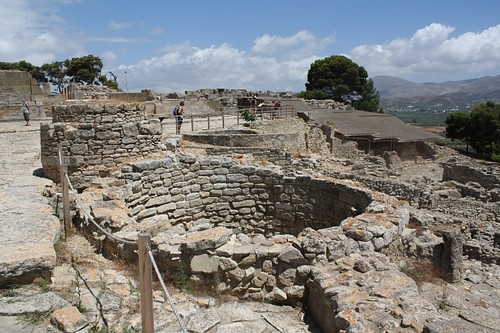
pixel 172 46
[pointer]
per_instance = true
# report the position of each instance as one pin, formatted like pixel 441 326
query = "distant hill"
pixel 398 93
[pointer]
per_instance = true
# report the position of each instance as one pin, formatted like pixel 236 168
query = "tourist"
pixel 26 112
pixel 275 109
pixel 178 113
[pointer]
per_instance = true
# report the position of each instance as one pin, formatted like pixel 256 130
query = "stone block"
pixel 68 319
pixel 206 239
pixel 204 263
pixel 292 256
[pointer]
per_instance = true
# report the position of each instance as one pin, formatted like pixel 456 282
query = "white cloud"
pixel 109 57
pixel 296 46
pixel 432 53
pixel 187 67
pixel 114 25
pixel 31 33
pixel 156 31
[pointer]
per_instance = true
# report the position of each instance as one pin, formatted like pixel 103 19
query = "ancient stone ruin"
pixel 276 227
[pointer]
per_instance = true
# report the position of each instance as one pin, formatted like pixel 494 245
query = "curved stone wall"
pixel 258 234
pixel 244 198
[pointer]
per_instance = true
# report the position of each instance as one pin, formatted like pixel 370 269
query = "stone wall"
pixel 485 174
pixel 283 141
pixel 198 211
pixel 14 86
pixel 19 84
pixel 246 198
pixel 97 139
pixel 143 96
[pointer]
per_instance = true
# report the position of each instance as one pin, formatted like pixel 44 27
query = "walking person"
pixel 26 112
pixel 178 114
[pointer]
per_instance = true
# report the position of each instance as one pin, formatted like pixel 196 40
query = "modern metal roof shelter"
pixel 374 126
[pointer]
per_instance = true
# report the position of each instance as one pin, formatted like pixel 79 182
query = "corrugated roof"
pixel 353 123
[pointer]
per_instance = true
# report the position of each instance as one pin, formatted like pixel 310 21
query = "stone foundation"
pixel 97 139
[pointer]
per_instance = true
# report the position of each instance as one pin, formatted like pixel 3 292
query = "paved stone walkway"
pixel 28 228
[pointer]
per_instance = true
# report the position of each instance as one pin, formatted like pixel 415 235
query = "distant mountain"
pixel 398 93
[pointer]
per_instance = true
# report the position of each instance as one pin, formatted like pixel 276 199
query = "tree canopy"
pixel 480 129
pixel 86 69
pixel 340 79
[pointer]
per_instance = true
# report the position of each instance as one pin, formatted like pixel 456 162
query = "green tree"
pixel 85 69
pixel 370 98
pixel 312 94
pixel 25 66
pixel 485 129
pixel 458 127
pixel 55 73
pixel 339 78
pixel 107 82
pixel 480 128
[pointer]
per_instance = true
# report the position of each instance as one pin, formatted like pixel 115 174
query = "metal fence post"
pixel 146 282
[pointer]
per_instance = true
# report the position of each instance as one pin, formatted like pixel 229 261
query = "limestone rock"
pixel 242 326
pixel 68 319
pixel 206 239
pixel 291 255
pixel 11 306
pixel 202 320
pixel 204 263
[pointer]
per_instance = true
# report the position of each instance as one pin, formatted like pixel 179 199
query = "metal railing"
pixel 225 119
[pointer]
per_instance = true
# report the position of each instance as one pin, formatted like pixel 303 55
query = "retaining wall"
pixel 97 139
pixel 225 193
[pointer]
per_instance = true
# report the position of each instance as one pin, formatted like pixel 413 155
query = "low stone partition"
pixel 96 139
pixel 247 138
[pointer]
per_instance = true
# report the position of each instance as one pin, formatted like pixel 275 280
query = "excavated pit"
pixel 258 233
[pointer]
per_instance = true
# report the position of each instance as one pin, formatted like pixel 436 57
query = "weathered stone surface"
pixel 14 324
pixel 448 324
pixel 204 263
pixel 202 320
pixel 242 327
pixel 291 255
pixel 277 295
pixel 68 319
pixel 12 306
pixel 206 239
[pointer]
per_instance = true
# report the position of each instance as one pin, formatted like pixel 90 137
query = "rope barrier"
pixel 110 235
pixel 165 291
pixel 118 239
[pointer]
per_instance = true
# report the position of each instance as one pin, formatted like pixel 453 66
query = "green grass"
pixel 421 118
pixel 36 318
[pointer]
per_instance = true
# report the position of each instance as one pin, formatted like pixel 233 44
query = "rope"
pixel 165 291
pixel 110 235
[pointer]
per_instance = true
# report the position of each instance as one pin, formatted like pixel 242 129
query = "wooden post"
pixel 192 124
pixel 66 208
pixel 238 118
pixel 146 282
pixel 208 119
pixel 222 120
pixel 63 172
